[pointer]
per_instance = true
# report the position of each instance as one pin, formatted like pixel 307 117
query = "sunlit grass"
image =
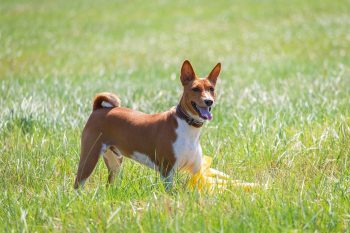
pixel 282 118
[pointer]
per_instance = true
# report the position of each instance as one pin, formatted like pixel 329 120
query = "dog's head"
pixel 199 93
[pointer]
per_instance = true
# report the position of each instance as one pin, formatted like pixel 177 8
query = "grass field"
pixel 282 118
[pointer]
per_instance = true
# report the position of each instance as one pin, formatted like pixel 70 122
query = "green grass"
pixel 282 118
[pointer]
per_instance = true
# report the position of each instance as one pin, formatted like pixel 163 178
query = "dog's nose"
pixel 208 102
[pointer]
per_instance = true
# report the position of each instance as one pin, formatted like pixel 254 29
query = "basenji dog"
pixel 166 142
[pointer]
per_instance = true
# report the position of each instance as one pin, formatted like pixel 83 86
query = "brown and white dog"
pixel 166 141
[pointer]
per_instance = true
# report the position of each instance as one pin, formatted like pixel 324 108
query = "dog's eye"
pixel 211 89
pixel 196 89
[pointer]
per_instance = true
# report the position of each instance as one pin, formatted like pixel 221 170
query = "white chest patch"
pixel 187 150
pixel 143 159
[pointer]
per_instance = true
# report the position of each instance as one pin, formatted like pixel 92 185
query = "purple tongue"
pixel 205 114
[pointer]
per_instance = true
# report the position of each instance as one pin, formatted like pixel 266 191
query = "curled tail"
pixel 105 100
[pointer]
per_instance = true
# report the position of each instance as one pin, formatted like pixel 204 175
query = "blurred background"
pixel 104 38
pixel 113 45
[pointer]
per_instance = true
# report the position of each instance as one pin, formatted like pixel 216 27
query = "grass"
pixel 282 117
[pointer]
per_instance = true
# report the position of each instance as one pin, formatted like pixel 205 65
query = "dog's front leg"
pixel 168 179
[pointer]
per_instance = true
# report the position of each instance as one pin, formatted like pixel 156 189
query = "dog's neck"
pixel 191 120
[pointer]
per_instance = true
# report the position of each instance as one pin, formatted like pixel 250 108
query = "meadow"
pixel 282 116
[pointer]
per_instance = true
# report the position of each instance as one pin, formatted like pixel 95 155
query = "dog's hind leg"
pixel 113 160
pixel 90 153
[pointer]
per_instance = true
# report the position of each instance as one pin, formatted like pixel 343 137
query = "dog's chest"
pixel 187 149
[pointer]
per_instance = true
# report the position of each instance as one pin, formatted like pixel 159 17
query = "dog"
pixel 166 142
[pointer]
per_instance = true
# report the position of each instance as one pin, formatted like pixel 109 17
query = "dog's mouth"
pixel 203 112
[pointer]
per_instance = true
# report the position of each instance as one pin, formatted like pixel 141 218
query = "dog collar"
pixel 190 120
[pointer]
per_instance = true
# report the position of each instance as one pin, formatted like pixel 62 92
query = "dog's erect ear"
pixel 213 76
pixel 187 73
